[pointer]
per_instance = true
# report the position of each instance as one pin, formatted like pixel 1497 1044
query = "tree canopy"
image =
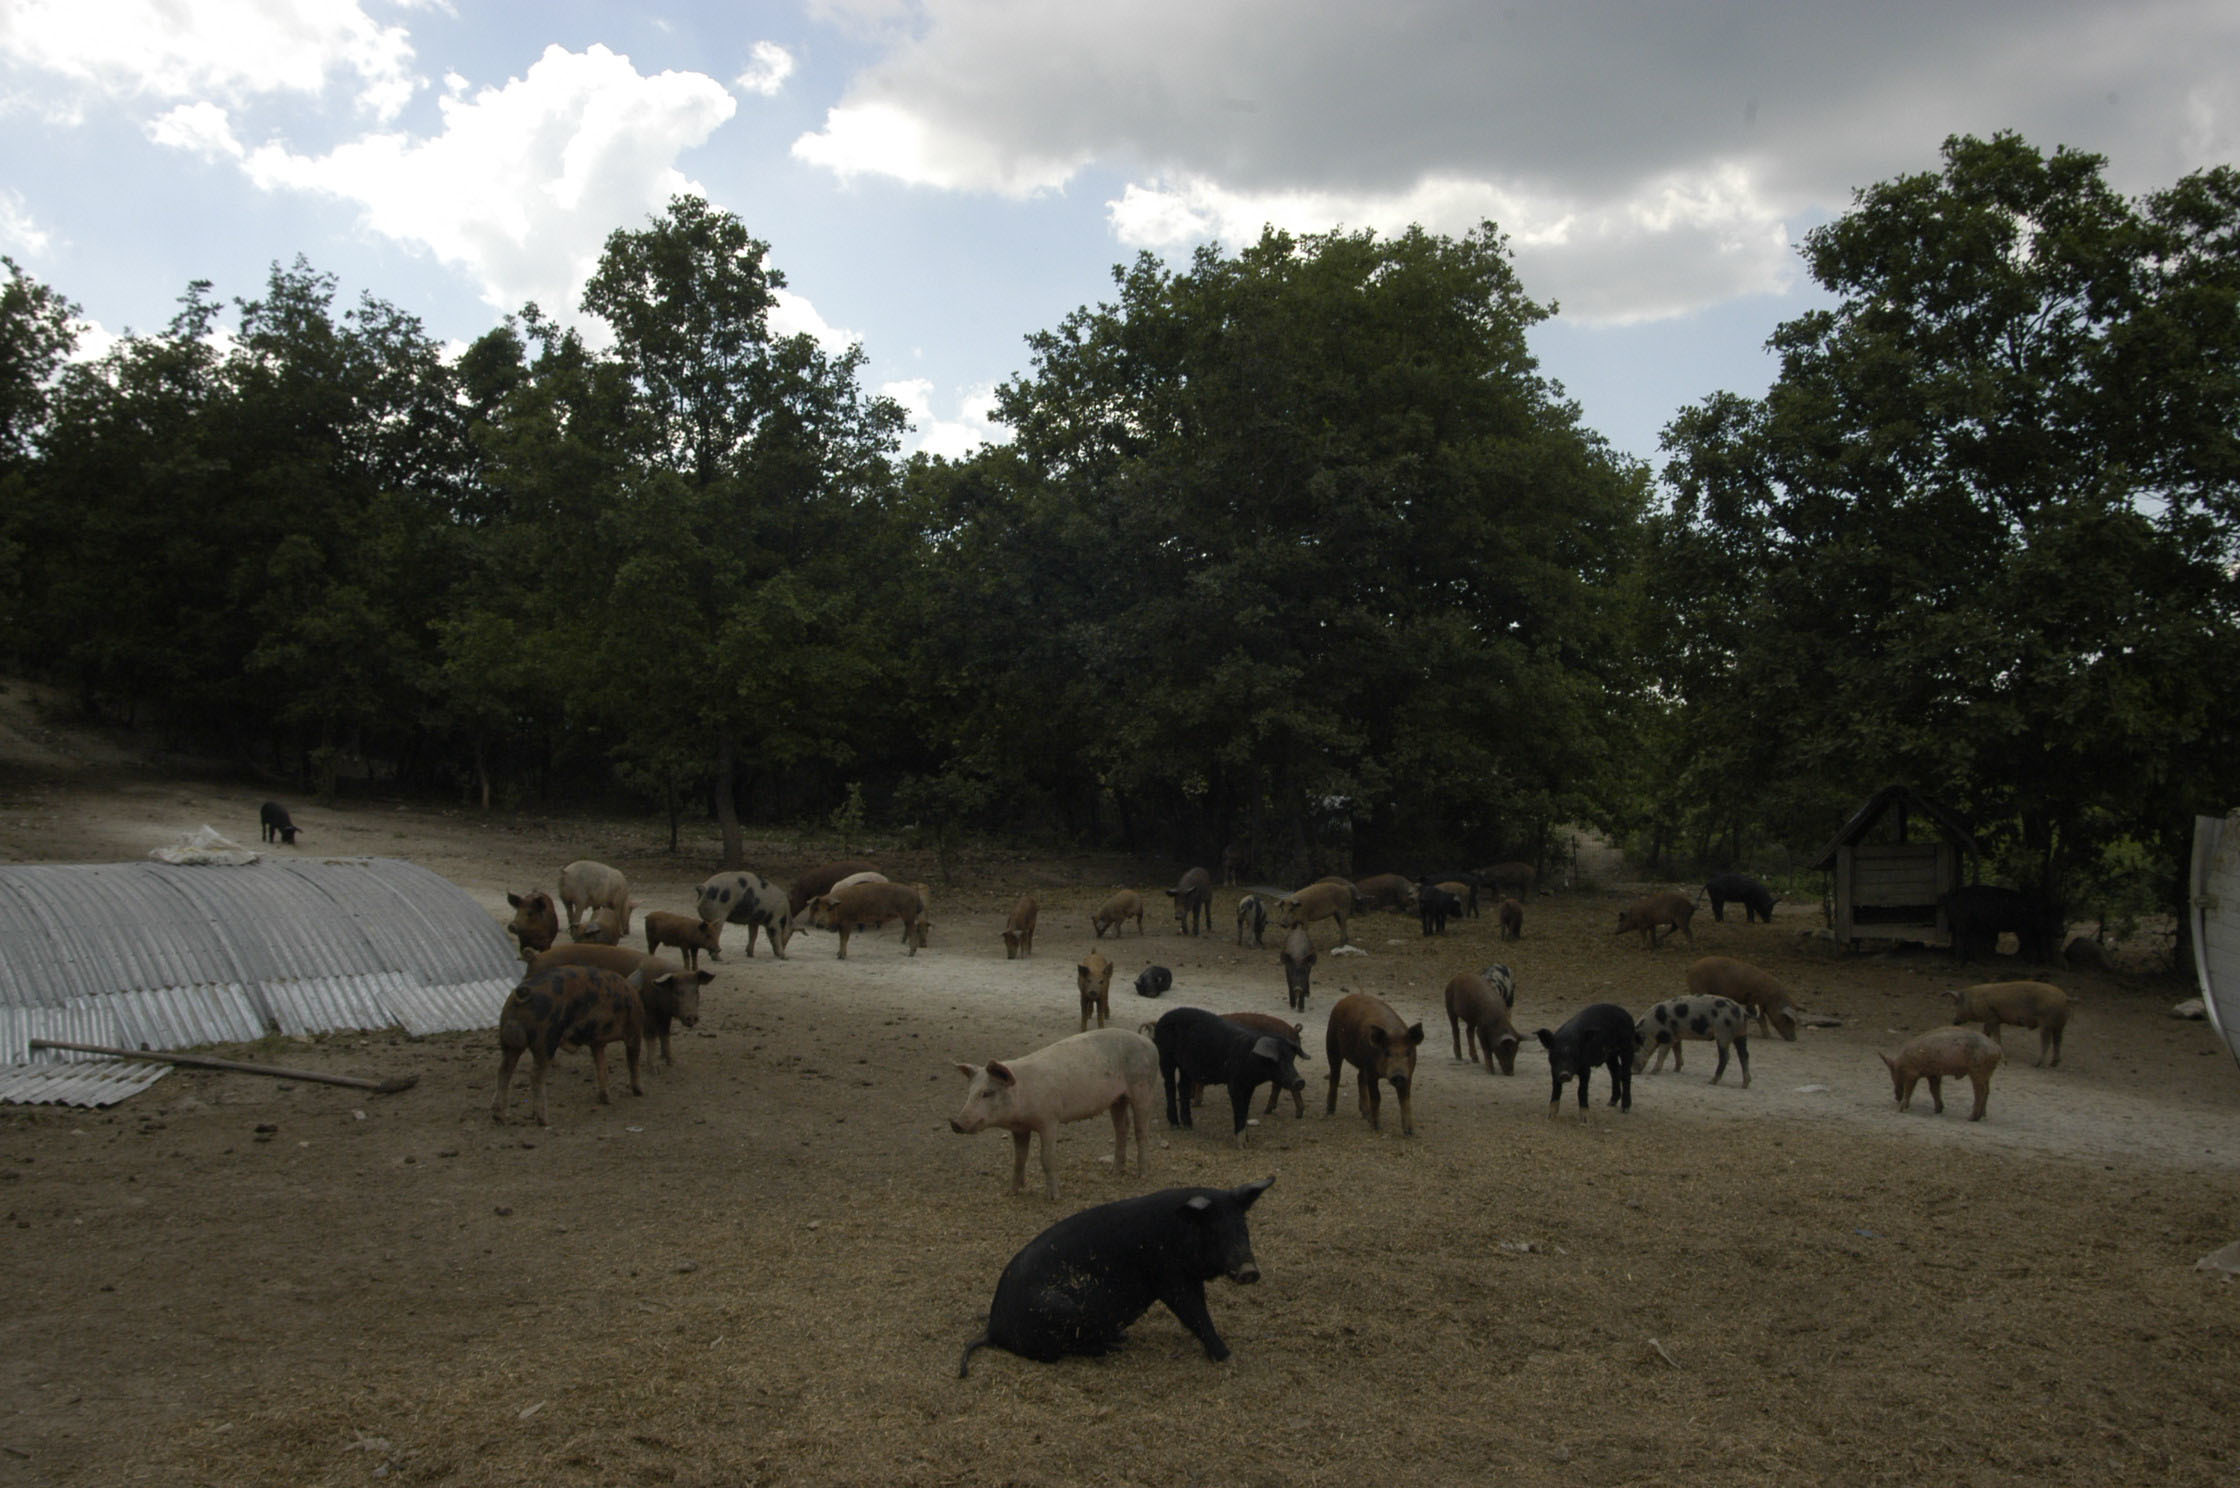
pixel 1979 534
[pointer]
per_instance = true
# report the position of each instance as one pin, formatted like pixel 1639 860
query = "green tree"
pixel 1307 522
pixel 762 487
pixel 37 333
pixel 1979 534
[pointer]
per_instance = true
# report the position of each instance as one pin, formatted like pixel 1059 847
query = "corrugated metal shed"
pixel 2216 922
pixel 156 956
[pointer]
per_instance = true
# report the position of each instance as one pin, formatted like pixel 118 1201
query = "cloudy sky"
pixel 939 178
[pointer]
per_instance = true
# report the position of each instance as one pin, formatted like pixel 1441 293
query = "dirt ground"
pixel 762 1270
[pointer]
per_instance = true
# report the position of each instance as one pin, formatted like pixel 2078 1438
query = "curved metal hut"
pixel 157 956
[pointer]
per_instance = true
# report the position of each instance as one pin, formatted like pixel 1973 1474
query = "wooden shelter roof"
pixel 1907 799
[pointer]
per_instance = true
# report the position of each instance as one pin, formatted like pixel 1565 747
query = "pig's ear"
pixel 1380 1038
pixel 514 900
pixel 1415 1034
pixel 1270 1049
pixel 705 977
pixel 1545 1041
pixel 1245 1195
pixel 968 1070
pixel 996 1071
pixel 1948 992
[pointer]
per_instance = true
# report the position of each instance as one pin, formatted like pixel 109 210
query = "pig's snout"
pixel 1247 1273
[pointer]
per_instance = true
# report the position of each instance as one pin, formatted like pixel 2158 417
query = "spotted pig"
pixel 1719 1020
pixel 751 900
pixel 569 1006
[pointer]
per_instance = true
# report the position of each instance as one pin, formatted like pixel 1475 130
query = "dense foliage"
pixel 1294 546
pixel 1980 535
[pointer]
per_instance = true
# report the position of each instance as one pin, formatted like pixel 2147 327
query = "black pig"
pixel 273 820
pixel 1153 980
pixel 1076 1287
pixel 1601 1033
pixel 1978 913
pixel 1436 906
pixel 1739 888
pixel 1198 1047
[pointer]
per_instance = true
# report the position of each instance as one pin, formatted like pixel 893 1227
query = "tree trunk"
pixel 727 809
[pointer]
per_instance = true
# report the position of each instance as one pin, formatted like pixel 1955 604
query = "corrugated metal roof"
pixel 166 957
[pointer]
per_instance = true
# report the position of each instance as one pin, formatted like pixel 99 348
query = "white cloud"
pixel 767 72
pixel 885 139
pixel 20 233
pixel 1645 160
pixel 231 48
pixel 525 181
pixel 953 438
pixel 1720 238
pixel 792 315
pixel 202 128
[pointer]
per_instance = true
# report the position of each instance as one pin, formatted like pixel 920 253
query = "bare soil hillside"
pixel 762 1269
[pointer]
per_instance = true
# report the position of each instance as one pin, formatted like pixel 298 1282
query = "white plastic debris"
pixel 205 847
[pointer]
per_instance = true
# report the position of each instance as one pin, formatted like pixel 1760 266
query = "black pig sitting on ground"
pixel 1076 1287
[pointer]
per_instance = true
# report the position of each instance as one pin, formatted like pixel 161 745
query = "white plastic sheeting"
pixel 156 956
pixel 2216 922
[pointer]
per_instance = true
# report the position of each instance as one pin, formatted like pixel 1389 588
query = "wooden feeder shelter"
pixel 1896 857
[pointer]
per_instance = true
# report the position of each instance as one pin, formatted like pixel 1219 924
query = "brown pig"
pixel 820 880
pixel 1366 1033
pixel 664 992
pixel 1298 967
pixel 688 933
pixel 1666 909
pixel 605 925
pixel 1475 1005
pixel 1946 1051
pixel 1018 931
pixel 1094 977
pixel 2039 1005
pixel 1756 990
pixel 1384 891
pixel 1108 1070
pixel 867 906
pixel 1320 901
pixel 568 1006
pixel 535 923
pixel 1512 920
pixel 1117 911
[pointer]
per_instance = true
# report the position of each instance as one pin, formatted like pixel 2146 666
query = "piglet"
pixel 1076 1287
pixel 688 933
pixel 1719 1020
pixel 1153 981
pixel 2039 1005
pixel 1366 1033
pixel 1935 1055
pixel 1600 1033
pixel 568 1006
pixel 1479 1006
pixel 1093 979
pixel 1106 1070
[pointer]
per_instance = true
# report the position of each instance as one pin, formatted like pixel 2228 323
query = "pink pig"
pixel 1104 1070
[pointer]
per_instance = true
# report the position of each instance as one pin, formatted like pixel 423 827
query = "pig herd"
pixel 1076 1287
